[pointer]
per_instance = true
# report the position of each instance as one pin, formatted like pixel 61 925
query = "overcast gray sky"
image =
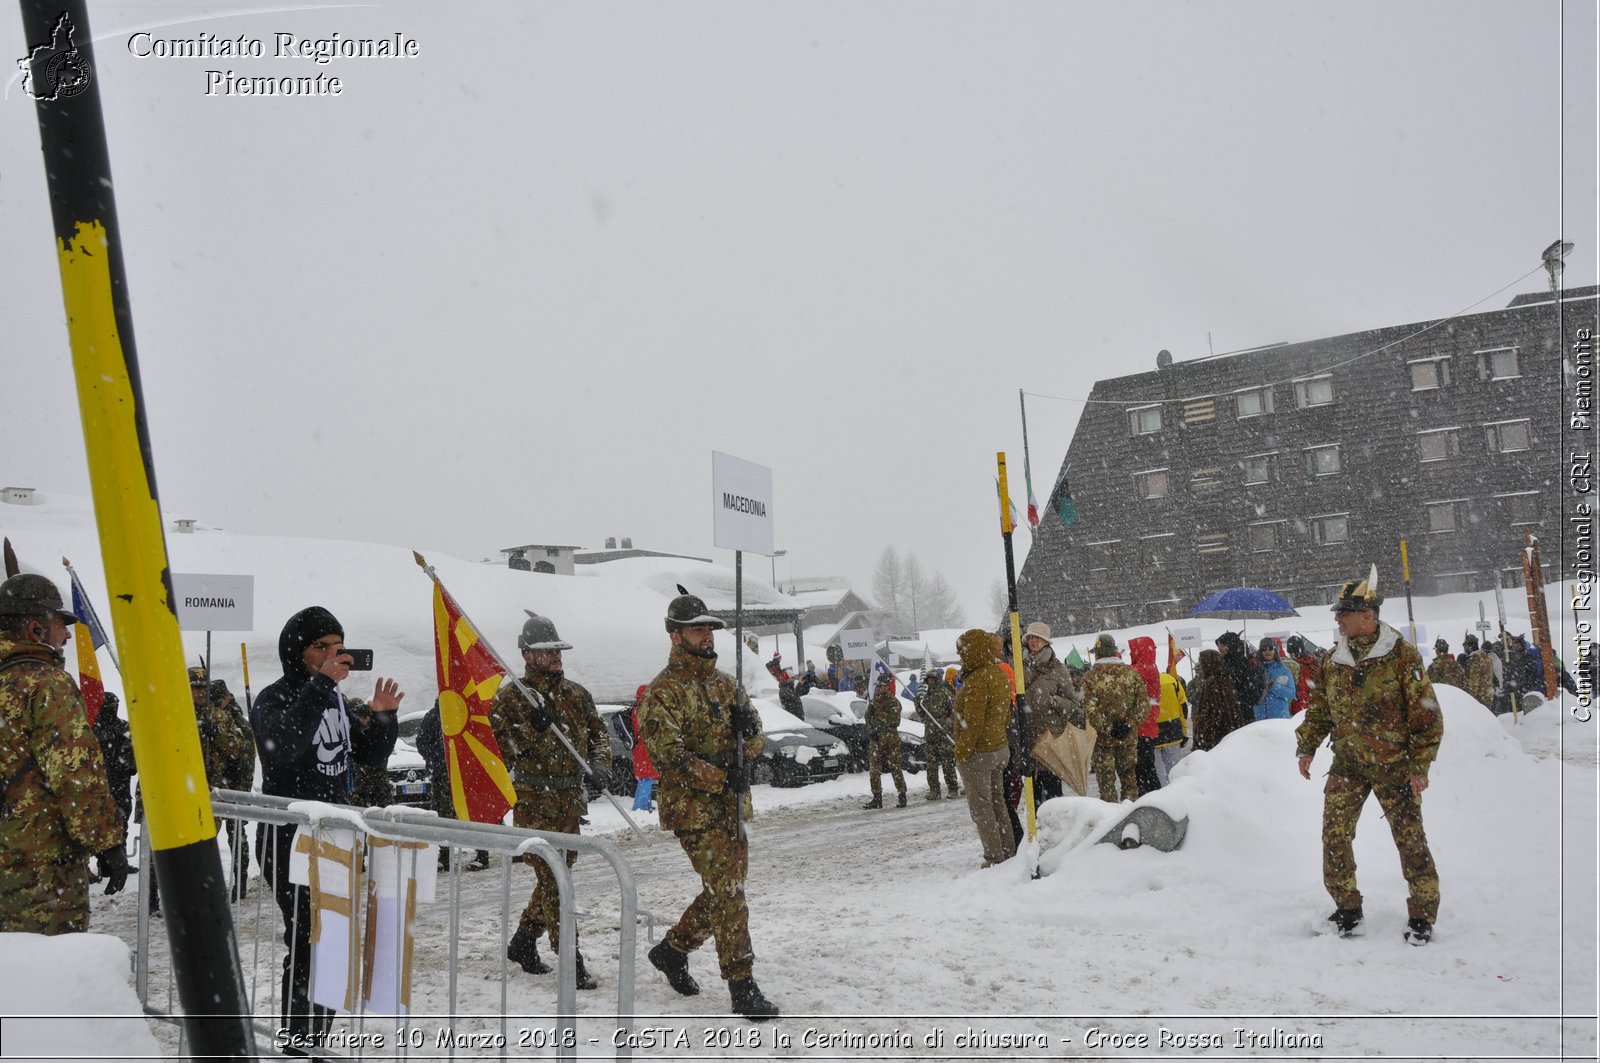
pixel 518 289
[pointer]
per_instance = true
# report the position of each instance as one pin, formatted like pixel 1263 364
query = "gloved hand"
pixel 113 868
pixel 739 781
pixel 1183 742
pixel 746 721
pixel 598 776
pixel 1119 731
pixel 539 716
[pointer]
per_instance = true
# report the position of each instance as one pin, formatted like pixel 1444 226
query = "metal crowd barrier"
pixel 401 823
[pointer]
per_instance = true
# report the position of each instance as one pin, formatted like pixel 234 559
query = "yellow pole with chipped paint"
pixel 61 77
pixel 1021 714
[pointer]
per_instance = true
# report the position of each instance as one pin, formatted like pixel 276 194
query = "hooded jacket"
pixel 1142 657
pixel 308 741
pixel 1249 681
pixel 983 704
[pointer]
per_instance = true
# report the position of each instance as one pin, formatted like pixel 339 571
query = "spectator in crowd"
pixel 1115 703
pixel 1280 685
pixel 982 714
pixel 1142 658
pixel 309 741
pixel 116 746
pixel 1052 699
pixel 1444 668
pixel 1249 682
pixel 1217 712
pixel 441 793
pixel 56 806
pixel 644 769
pixel 1309 658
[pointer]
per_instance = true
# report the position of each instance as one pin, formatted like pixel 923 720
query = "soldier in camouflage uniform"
pixel 1115 703
pixel 936 704
pixel 699 731
pixel 1445 668
pixel 883 744
pixel 548 779
pixel 1479 671
pixel 56 809
pixel 1377 703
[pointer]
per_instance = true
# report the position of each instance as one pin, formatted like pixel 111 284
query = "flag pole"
pixel 111 650
pixel 87 241
pixel 1027 467
pixel 1021 714
pixel 533 696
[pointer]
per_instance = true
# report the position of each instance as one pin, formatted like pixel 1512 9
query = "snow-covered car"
pixel 408 774
pixel 844 715
pixel 796 753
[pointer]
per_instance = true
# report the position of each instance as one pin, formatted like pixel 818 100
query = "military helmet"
pixel 29 594
pixel 539 633
pixel 688 609
pixel 1358 595
pixel 1441 646
pixel 197 676
pixel 1469 643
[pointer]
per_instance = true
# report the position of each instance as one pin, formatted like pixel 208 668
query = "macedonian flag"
pixel 480 786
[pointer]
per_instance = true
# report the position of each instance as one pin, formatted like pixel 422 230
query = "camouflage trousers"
pixel 722 861
pixel 51 898
pixel 1343 797
pixel 1116 764
pixel 941 757
pixel 544 904
pixel 883 754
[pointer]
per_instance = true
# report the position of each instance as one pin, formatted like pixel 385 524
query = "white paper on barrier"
pixel 335 942
pixel 390 974
pixel 420 865
pixel 330 963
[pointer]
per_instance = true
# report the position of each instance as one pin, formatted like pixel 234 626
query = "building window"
pixel 552 551
pixel 1145 420
pixel 1438 444
pixel 1152 483
pixel 1445 516
pixel 1199 411
pixel 1211 542
pixel 1455 582
pixel 1109 616
pixel 1322 461
pixel 1332 529
pixel 1102 556
pixel 1315 391
pixel 1166 609
pixel 1156 550
pixel 545 567
pixel 1520 508
pixel 1260 468
pixel 1267 538
pixel 1508 437
pixel 1430 373
pixel 1253 402
pixel 1503 364
pixel 1205 481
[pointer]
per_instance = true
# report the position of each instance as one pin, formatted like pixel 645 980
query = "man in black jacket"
pixel 310 742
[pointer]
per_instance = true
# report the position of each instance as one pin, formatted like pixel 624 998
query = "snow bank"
pixel 71 996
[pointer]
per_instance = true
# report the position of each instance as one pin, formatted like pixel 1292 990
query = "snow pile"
pixel 50 986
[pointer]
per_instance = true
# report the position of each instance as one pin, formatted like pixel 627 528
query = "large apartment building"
pixel 1294 467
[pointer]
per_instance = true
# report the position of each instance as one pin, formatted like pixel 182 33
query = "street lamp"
pixel 775 555
pixel 1554 256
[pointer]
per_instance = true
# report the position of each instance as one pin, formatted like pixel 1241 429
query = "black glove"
pixel 113 868
pixel 1119 731
pixel 738 781
pixel 597 776
pixel 746 721
pixel 539 716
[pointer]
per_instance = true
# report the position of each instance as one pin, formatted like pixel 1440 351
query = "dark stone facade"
pixel 1295 467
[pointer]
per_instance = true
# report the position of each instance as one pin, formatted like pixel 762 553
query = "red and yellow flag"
pixel 480 786
pixel 1174 655
pixel 89 636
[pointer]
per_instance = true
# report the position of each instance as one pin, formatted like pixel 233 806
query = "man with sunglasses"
pixel 310 740
pixel 1378 704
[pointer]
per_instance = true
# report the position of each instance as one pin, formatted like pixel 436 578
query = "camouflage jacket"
pixel 1114 693
pixel 57 803
pixel 537 759
pixel 883 713
pixel 1377 703
pixel 685 722
pixel 1053 700
pixel 1446 669
pixel 983 704
pixel 1480 677
pixel 936 705
pixel 227 745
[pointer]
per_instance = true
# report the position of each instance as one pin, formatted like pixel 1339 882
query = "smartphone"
pixel 362 659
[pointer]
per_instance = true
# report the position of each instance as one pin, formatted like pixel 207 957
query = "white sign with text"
pixel 211 602
pixel 858 644
pixel 741 504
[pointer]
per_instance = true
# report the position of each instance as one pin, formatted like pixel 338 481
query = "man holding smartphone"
pixel 310 742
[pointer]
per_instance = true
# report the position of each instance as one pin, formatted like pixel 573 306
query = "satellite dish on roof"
pixel 1163 359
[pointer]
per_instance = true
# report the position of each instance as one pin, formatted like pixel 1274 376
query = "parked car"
pixel 795 753
pixel 408 774
pixel 844 715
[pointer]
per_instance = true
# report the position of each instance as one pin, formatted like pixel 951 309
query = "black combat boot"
pixel 585 979
pixel 524 951
pixel 748 1001
pixel 1419 931
pixel 933 793
pixel 901 801
pixel 675 965
pixel 1345 921
pixel 876 802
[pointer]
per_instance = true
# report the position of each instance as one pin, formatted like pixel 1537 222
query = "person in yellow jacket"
pixel 1172 726
pixel 983 709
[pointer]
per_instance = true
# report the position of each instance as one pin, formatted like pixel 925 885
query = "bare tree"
pixel 913 591
pixel 999 601
pixel 888 579
pixel 940 605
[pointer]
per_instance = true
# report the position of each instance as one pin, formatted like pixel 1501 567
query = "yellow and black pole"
pixel 205 956
pixel 1020 716
pixel 1405 574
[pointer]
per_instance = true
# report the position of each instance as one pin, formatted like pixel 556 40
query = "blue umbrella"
pixel 1243 603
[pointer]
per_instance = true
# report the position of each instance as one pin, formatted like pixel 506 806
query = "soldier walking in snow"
pixel 56 809
pixel 936 706
pixel 1445 668
pixel 1115 702
pixel 548 780
pixel 700 733
pixel 883 743
pixel 1479 671
pixel 1378 705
